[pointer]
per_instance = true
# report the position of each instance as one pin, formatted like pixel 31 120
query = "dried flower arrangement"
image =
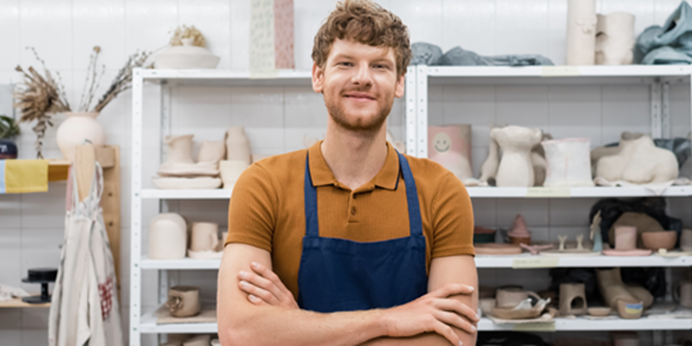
pixel 183 32
pixel 40 98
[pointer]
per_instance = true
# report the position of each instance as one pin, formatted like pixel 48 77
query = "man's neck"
pixel 354 158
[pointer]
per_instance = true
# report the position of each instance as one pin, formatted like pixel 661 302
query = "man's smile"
pixel 359 96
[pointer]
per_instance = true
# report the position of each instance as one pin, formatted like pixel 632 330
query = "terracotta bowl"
pixel 659 240
pixel 599 312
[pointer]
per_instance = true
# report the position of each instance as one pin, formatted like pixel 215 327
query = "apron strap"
pixel 312 227
pixel 414 219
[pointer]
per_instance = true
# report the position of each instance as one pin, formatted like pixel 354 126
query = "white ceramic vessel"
pixel 186 56
pixel 167 237
pixel 78 127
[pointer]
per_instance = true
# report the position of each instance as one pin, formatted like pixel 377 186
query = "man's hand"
pixel 265 288
pixel 433 312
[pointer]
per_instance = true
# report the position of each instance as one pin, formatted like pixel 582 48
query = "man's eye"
pixel 345 63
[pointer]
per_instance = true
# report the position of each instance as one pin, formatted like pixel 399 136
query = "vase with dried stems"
pixel 40 98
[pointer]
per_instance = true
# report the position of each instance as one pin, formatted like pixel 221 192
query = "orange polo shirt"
pixel 267 208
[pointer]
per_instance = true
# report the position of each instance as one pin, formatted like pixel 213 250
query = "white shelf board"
pixel 598 191
pixel 526 260
pixel 582 324
pixel 183 264
pixel 186 194
pixel 228 77
pixel 518 261
pixel 149 325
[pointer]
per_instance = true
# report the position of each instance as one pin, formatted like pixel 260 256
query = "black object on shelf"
pixel 42 276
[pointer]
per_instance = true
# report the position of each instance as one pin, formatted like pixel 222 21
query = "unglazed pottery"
pixel 568 162
pixel 516 167
pixel 630 309
pixel 510 297
pixel 536 249
pixel 638 161
pixel 572 299
pixel 186 56
pixel 497 249
pixel 237 145
pixel 625 238
pixel 599 311
pixel 75 129
pixel 519 233
pixel 172 183
pixel 200 340
pixel 179 149
pixel 183 301
pixel 211 151
pixel 682 293
pixel 180 163
pixel 205 236
pixel 450 146
pixel 614 39
pixel 613 289
pixel 167 237
pixel 231 171
pixel 581 32
pixel 659 240
pixel 686 240
pixel 642 221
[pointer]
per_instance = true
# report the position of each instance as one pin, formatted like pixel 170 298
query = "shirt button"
pixel 353 210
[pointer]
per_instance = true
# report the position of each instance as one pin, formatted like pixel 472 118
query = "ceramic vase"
pixel 231 171
pixel 572 299
pixel 450 146
pixel 615 39
pixel 568 162
pixel 183 301
pixel 167 237
pixel 237 145
pixel 205 236
pixel 78 127
pixel 516 168
pixel 581 32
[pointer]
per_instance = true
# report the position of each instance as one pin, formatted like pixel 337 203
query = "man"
pixel 350 242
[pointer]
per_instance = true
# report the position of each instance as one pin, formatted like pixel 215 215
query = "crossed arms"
pixel 447 314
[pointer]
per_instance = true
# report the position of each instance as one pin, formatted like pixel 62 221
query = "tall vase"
pixel 581 32
pixel 79 126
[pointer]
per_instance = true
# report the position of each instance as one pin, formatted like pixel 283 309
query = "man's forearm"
pixel 427 339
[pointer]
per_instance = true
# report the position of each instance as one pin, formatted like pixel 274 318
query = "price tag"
pixel 535 262
pixel 548 192
pixel 535 327
pixel 560 71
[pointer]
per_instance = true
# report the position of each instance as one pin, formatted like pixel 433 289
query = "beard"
pixel 372 123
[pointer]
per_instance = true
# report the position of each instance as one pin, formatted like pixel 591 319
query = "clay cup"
pixel 630 309
pixel 625 238
pixel 205 236
pixel 682 293
pixel 183 301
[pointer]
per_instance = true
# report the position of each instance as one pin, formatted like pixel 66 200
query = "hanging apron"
pixel 84 306
pixel 345 275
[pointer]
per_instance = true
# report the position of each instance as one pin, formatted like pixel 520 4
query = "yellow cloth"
pixel 23 176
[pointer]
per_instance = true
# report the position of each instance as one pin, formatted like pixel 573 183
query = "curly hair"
pixel 368 23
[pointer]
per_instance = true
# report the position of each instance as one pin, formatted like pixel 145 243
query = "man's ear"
pixel 400 86
pixel 317 78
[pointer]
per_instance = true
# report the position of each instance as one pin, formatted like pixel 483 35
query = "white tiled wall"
pixel 277 119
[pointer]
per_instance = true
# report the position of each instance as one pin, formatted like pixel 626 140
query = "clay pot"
pixel 179 149
pixel 167 237
pixel 211 151
pixel 599 311
pixel 682 293
pixel 205 236
pixel 201 340
pixel 450 146
pixel 568 162
pixel 231 171
pixel 625 238
pixel 183 301
pixel 510 297
pixel 572 299
pixel 630 309
pixel 659 240
pixel 581 32
pixel 237 145
pixel 79 126
pixel 686 240
pixel 497 249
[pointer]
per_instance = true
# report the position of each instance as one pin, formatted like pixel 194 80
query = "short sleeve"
pixel 252 209
pixel 452 219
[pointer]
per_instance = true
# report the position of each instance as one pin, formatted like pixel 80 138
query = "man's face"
pixel 359 83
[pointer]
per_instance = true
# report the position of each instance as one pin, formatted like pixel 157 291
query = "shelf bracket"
pixel 411 93
pixel 422 111
pixel 656 124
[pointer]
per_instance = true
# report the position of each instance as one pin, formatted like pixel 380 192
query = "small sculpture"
pixel 613 289
pixel 581 32
pixel 580 239
pixel 572 299
pixel 450 146
pixel 519 233
pixel 536 249
pixel 615 39
pixel 516 167
pixel 563 239
pixel 595 234
pixel 636 161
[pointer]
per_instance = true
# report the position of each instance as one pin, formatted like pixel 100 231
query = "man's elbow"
pixel 231 334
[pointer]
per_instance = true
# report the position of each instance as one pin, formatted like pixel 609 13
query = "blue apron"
pixel 345 275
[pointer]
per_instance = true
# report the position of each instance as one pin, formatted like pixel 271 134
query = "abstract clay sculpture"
pixel 595 233
pixel 167 237
pixel 237 145
pixel 613 289
pixel 572 299
pixel 183 301
pixel 450 146
pixel 636 161
pixel 568 162
pixel 515 168
pixel 519 234
pixel 581 32
pixel 615 39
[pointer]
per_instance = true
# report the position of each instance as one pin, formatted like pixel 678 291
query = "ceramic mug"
pixel 682 293
pixel 183 301
pixel 625 238
pixel 510 297
pixel 686 240
pixel 205 236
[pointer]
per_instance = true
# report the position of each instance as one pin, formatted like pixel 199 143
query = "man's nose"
pixel 363 75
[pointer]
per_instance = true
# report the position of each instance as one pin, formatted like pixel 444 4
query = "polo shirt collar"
pixel 321 175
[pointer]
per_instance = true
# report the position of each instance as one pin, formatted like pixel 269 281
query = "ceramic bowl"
pixel 599 312
pixel 659 240
pixel 630 309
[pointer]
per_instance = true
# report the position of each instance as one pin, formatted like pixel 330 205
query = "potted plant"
pixel 8 129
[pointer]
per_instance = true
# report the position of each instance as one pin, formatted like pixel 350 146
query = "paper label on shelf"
pixel 548 192
pixel 560 71
pixel 535 262
pixel 535 327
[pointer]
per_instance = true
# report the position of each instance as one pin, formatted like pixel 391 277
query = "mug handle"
pixel 676 293
pixel 533 295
